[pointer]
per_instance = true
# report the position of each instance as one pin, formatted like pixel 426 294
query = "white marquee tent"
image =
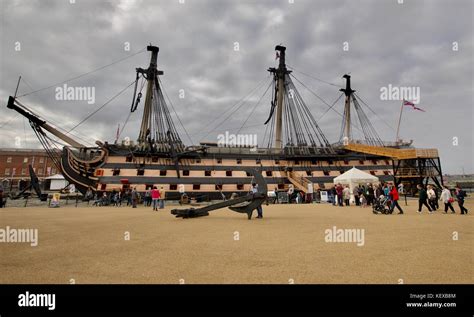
pixel 355 177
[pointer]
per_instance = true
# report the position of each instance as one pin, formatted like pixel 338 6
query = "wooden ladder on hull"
pixel 300 182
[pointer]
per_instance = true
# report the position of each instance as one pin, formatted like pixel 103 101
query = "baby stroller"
pixel 381 205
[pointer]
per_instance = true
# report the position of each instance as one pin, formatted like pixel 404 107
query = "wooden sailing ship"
pixel 297 153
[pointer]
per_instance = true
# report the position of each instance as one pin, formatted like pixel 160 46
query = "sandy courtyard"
pixel 89 245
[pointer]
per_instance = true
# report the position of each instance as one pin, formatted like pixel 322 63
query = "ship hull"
pixel 210 173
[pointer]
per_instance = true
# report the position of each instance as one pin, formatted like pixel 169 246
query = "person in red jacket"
pixel 394 197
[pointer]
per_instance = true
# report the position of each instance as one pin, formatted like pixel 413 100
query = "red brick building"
pixel 14 166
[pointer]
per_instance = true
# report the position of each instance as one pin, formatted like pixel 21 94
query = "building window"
pixel 198 161
pixel 9 159
pixel 386 172
pixel 228 173
pixel 361 162
pixel 173 187
pixel 258 161
pixel 25 160
pixel 196 186
pixel 326 173
pixel 314 162
pixel 154 159
pixel 40 171
pixel 163 173
pixel 387 162
pixel 186 173
pixel 218 187
pixel 374 162
pixel 41 160
pixel 239 161
pixel 116 172
pixel 128 158
pixel 53 170
pixel 277 162
pixel 7 171
pixel 297 162
pixel 23 171
pixel 308 173
pixel 341 172
pixel 140 172
pixel 207 173
pixel 346 162
pixel 281 186
pixel 330 162
pixel 372 172
pixel 248 173
pixel 240 186
pixel 219 161
pixel 269 173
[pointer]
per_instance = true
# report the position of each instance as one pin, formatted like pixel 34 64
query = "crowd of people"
pixel 129 197
pixel 429 196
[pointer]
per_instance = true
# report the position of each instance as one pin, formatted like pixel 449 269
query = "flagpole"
pixel 399 121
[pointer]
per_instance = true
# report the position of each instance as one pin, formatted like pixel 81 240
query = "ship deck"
pixel 87 244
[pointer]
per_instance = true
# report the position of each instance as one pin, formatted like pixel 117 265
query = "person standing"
pixel 370 194
pixel 393 193
pixel 259 208
pixel 447 199
pixel 162 198
pixel 346 192
pixel 432 199
pixel 155 196
pixel 333 195
pixel 339 194
pixel 461 195
pixel 134 197
pixel 422 198
pixel 356 195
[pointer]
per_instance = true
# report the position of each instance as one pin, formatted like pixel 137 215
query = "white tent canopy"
pixel 355 177
pixel 56 182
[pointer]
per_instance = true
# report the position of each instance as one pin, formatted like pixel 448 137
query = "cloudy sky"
pixel 425 44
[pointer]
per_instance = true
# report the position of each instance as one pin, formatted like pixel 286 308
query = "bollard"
pixel 26 201
pixel 77 198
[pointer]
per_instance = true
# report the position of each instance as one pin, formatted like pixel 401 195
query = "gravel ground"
pixel 91 245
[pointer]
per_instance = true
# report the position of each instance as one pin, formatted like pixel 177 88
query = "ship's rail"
pixel 400 154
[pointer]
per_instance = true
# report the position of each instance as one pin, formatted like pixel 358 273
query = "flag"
pixel 411 104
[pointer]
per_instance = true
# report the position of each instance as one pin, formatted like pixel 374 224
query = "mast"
pixel 280 75
pixel 347 108
pixel 151 75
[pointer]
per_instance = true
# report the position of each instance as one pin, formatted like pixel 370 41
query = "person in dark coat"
pixel 460 196
pixel 423 198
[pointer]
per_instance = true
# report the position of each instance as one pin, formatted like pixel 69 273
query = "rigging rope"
pixel 242 100
pixel 84 74
pixel 313 77
pixel 101 107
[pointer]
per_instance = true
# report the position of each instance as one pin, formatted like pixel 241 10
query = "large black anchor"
pixel 245 204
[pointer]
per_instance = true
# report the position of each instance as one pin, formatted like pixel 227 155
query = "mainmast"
pixel 151 75
pixel 280 74
pixel 157 130
pixel 347 109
